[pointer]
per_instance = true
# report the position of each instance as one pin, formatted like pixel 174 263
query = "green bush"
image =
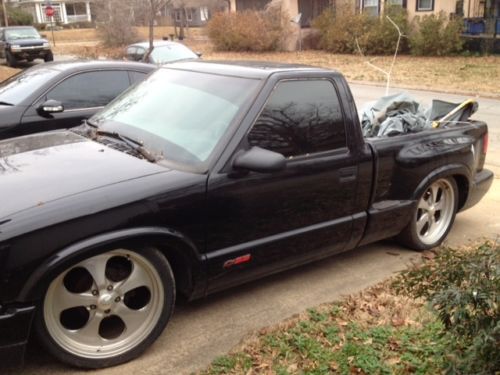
pixel 463 287
pixel 255 31
pixel 435 35
pixel 17 16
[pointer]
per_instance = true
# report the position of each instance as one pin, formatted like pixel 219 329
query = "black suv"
pixel 23 43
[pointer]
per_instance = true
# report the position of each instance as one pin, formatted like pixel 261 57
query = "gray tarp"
pixel 400 114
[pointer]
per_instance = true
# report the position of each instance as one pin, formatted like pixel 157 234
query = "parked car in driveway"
pixel 62 94
pixel 200 178
pixel 163 52
pixel 23 43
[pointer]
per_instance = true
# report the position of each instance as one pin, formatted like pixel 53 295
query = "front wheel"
pixel 11 60
pixel 107 309
pixel 433 217
pixel 49 57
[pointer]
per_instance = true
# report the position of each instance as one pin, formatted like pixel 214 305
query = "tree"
pixel 4 12
pixel 154 7
pixel 116 21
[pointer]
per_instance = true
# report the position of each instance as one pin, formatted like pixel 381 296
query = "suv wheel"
pixel 11 60
pixel 49 57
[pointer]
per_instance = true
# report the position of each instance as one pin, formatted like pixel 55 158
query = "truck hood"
pixel 38 169
pixel 28 42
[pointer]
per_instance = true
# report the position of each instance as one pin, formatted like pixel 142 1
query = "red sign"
pixel 49 11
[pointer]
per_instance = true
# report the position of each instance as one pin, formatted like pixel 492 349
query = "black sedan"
pixel 164 52
pixel 62 94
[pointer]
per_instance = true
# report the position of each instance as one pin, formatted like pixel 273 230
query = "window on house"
pixel 300 117
pixel 177 15
pixel 189 14
pixel 371 7
pixel 425 5
pixel 76 9
pixel 395 2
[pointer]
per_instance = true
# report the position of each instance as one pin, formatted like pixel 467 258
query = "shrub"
pixel 380 37
pixel 338 29
pixel 434 35
pixel 115 18
pixel 376 35
pixel 463 288
pixel 249 30
pixel 17 16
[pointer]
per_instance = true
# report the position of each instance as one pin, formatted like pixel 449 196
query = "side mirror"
pixel 199 54
pixel 260 160
pixel 44 36
pixel 51 106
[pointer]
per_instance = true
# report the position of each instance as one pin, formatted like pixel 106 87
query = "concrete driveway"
pixel 203 330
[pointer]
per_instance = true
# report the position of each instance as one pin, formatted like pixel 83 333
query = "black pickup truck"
pixel 23 43
pixel 204 176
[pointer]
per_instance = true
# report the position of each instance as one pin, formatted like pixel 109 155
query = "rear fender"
pixel 451 170
pixel 176 247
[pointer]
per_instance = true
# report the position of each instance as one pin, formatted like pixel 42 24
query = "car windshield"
pixel 179 115
pixel 171 52
pixel 17 88
pixel 23 33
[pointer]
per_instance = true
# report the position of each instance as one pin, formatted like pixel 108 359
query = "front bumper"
pixel 30 53
pixel 15 326
pixel 480 186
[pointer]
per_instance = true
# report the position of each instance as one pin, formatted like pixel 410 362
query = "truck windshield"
pixel 22 33
pixel 17 88
pixel 180 115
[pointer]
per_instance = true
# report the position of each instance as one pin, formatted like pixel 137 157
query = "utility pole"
pixel 5 18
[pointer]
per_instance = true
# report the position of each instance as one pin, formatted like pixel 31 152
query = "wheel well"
pixel 463 189
pixel 181 269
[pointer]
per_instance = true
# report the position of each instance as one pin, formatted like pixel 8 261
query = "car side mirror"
pixel 51 106
pixel 44 36
pixel 199 54
pixel 260 160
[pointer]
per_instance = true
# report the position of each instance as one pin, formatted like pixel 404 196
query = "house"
pixel 489 10
pixel 65 11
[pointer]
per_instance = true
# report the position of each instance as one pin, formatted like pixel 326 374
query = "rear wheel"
pixel 11 60
pixel 433 217
pixel 107 309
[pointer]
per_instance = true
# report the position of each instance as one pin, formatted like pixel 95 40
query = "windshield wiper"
pixel 5 103
pixel 133 144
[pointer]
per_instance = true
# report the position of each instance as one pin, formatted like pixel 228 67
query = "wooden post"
pixel 5 17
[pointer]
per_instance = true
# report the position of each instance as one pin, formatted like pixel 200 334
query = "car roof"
pixel 247 69
pixel 77 65
pixel 157 43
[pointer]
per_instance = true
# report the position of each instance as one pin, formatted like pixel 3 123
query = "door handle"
pixel 348 174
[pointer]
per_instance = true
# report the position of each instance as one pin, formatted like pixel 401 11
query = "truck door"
pixel 261 222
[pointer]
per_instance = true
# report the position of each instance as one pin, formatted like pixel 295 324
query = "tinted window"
pixel 136 76
pixel 300 117
pixel 17 88
pixel 92 89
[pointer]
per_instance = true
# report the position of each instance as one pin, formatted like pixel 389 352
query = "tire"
pixel 433 217
pixel 49 57
pixel 107 309
pixel 11 60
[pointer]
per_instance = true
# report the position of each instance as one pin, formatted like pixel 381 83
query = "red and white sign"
pixel 49 11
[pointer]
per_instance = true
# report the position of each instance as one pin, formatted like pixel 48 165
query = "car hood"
pixel 28 42
pixel 38 169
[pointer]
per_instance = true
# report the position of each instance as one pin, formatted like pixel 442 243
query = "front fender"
pixel 128 238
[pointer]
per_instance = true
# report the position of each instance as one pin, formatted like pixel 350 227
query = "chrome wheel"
pixel 435 212
pixel 104 306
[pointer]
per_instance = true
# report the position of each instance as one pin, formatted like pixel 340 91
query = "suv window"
pixel 300 117
pixel 91 89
